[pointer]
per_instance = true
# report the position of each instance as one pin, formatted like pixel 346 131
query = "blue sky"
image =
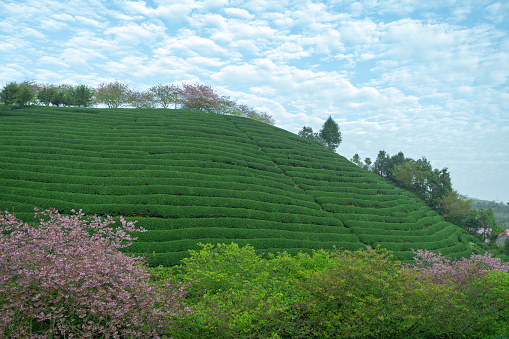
pixel 428 78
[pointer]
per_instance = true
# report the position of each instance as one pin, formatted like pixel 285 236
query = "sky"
pixel 428 78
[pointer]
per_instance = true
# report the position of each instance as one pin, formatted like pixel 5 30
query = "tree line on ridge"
pixel 117 94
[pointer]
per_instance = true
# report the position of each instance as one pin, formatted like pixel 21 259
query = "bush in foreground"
pixel 65 277
pixel 236 293
pixel 478 293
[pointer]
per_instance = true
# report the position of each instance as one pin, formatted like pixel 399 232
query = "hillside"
pixel 191 177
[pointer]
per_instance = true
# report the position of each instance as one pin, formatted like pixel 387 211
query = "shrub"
pixel 234 294
pixel 65 277
pixel 365 294
pixel 478 301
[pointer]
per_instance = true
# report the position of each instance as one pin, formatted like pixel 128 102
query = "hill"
pixel 191 177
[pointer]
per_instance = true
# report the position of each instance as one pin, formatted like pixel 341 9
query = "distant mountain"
pixel 500 210
pixel 191 177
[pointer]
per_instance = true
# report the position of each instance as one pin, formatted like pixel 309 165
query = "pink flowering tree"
pixel 200 98
pixel 64 276
pixel 113 94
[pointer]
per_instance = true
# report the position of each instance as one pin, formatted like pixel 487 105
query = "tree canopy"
pixel 330 134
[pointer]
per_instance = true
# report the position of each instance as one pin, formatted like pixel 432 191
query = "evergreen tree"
pixel 330 134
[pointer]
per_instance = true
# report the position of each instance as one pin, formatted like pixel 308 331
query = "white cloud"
pixel 53 61
pixel 239 13
pixel 133 33
pixel 31 33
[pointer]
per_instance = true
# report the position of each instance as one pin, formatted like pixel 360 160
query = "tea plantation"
pixel 191 177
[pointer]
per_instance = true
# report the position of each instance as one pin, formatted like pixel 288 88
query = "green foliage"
pixel 14 93
pixel 236 293
pixel 330 134
pixel 9 93
pixel 307 133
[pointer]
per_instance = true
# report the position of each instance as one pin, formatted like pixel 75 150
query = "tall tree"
pixel 25 96
pixel 381 165
pixel 330 134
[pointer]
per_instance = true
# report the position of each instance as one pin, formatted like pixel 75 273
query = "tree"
pixel 307 132
pixel 21 94
pixel 166 95
pixel 487 225
pixel 367 164
pixel 330 134
pixel 381 165
pixel 113 94
pixel 200 98
pixel 477 293
pixel 24 96
pixel 83 96
pixel 9 93
pixel 141 99
pixel 356 159
pixel 58 278
pixel 410 176
pixel 455 208
pixel 45 95
pixel 251 113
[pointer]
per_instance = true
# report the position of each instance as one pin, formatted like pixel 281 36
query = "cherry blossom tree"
pixel 65 277
pixel 200 98
pixel 113 94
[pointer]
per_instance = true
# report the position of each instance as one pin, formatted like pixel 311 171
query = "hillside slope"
pixel 191 177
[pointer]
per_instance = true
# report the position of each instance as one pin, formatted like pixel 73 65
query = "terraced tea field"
pixel 191 177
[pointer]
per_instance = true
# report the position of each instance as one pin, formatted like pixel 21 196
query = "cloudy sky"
pixel 428 78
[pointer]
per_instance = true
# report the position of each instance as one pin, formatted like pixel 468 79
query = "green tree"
pixel 235 293
pixel 455 208
pixel 381 165
pixel 366 294
pixel 166 95
pixel 488 226
pixel 330 134
pixel 367 164
pixel 45 95
pixel 307 132
pixel 24 96
pixel 356 159
pixel 409 175
pixel 83 96
pixel 9 93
